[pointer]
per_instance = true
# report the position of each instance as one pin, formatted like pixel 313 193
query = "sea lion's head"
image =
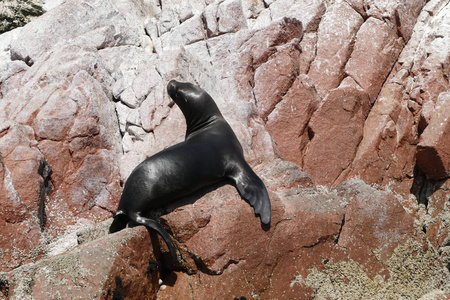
pixel 196 104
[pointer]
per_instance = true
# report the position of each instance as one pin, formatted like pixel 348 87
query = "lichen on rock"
pixel 17 13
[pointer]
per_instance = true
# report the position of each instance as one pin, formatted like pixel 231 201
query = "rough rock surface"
pixel 342 108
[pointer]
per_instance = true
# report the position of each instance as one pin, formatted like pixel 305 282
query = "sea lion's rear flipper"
pixel 120 222
pixel 252 189
pixel 152 224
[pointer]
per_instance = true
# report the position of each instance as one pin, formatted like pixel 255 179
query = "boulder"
pixel 105 268
pixel 392 131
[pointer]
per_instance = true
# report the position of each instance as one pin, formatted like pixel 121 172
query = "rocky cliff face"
pixel 342 108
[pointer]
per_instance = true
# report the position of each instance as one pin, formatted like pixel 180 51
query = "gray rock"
pixel 230 16
pixel 188 32
pixel 73 23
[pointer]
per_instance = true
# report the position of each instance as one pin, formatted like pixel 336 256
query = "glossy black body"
pixel 210 154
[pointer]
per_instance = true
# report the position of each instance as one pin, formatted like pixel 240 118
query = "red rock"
pixel 311 232
pixel 252 258
pixel 308 45
pixel 335 130
pixel 275 77
pixel 387 149
pixel 22 191
pixel 354 240
pixel 287 123
pixel 55 118
pixel 433 151
pixel 277 34
pixel 376 49
pixel 84 170
pixel 373 221
pixel 398 15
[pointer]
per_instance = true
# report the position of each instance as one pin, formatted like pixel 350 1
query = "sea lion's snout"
pixel 172 88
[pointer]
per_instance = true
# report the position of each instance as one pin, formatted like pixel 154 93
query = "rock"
pixel 24 177
pixel 383 127
pixel 309 13
pixel 379 42
pixel 400 15
pixel 75 130
pixel 302 257
pixel 230 16
pixel 224 17
pixel 210 19
pixel 391 123
pixel 433 155
pixel 65 27
pixel 188 32
pixel 332 102
pixel 275 77
pixel 334 43
pixel 335 131
pixel 107 267
pixel 290 118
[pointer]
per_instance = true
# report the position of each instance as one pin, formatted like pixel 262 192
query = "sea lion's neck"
pixel 197 125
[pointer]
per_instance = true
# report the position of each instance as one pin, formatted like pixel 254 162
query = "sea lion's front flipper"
pixel 252 189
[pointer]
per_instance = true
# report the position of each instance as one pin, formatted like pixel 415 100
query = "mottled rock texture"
pixel 342 108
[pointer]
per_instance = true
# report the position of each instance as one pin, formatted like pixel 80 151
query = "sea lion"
pixel 210 154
